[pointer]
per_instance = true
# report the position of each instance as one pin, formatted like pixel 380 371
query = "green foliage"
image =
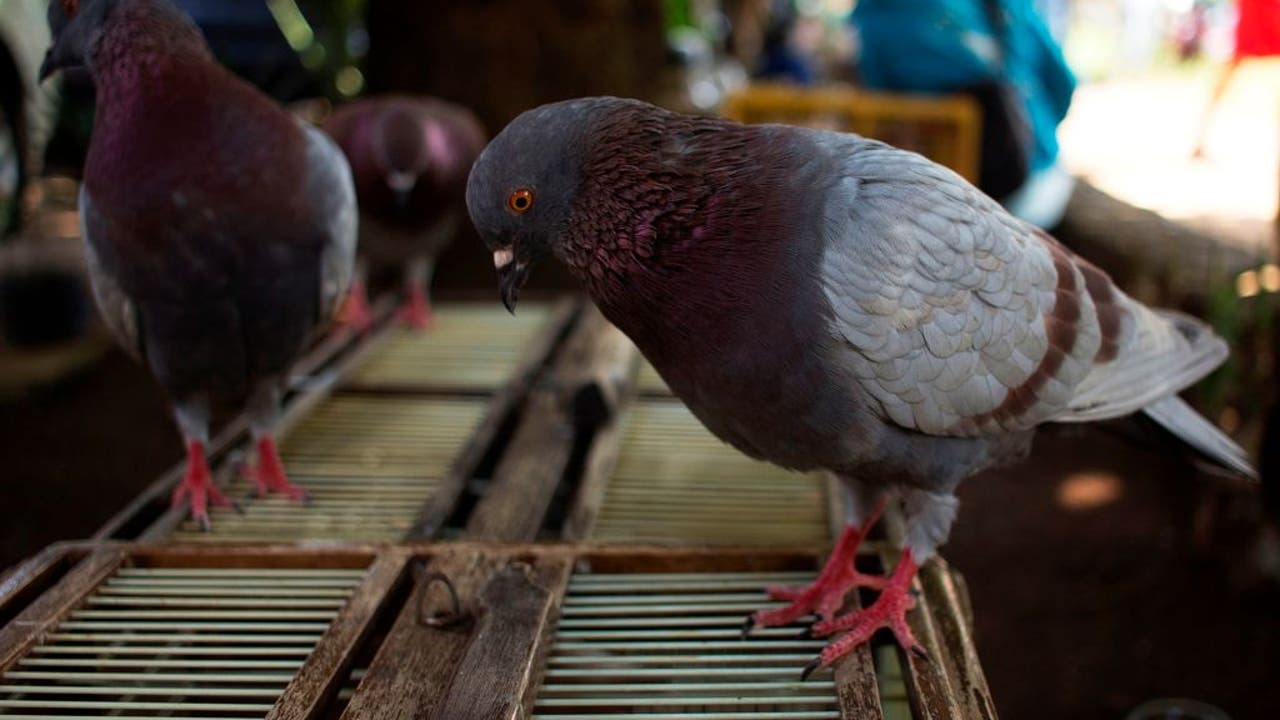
pixel 1249 326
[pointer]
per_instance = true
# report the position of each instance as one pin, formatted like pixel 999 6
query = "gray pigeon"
pixel 220 232
pixel 827 302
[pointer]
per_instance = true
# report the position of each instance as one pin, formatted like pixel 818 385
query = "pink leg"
pixel 888 611
pixel 197 486
pixel 355 310
pixel 269 476
pixel 825 596
pixel 416 312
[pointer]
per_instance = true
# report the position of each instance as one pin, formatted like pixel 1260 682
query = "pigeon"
pixel 824 301
pixel 410 157
pixel 220 232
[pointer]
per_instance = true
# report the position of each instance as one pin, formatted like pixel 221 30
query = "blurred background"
pixel 1145 134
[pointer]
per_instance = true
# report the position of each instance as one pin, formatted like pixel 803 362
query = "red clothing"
pixel 1258 31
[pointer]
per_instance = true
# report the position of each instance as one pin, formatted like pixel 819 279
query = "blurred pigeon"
pixel 410 157
pixel 825 301
pixel 220 232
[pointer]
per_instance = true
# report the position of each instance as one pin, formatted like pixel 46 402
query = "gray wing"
pixel 333 191
pixel 118 310
pixel 957 318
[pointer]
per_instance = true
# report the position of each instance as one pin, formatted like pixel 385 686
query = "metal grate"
pixel 675 483
pixel 178 643
pixel 666 646
pixel 470 347
pixel 369 462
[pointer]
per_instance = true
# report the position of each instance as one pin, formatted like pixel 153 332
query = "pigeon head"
pixel 76 26
pixel 401 150
pixel 523 187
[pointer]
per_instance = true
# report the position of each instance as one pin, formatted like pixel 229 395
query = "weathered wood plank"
pixel 930 682
pixel 589 378
pixel 951 617
pixel 602 400
pixel 327 667
pixel 412 671
pixel 20 583
pixel 598 370
pixel 43 615
pixel 600 463
pixel 526 478
pixel 501 668
pixel 440 505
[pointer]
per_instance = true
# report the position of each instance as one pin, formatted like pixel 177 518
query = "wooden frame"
pixel 863 111
pixel 486 660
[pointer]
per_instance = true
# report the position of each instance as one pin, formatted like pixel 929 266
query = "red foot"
pixel 888 611
pixel 825 596
pixel 355 309
pixel 416 312
pixel 269 475
pixel 197 487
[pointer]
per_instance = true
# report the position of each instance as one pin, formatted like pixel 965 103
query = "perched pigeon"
pixel 220 232
pixel 410 157
pixel 825 301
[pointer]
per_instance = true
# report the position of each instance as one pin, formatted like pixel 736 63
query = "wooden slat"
pixel 589 377
pixel 417 662
pixel 329 663
pixel 601 460
pixel 505 401
pixel 949 610
pixel 617 391
pixel 22 582
pixel 501 665
pixel 43 615
pixel 855 678
pixel 525 480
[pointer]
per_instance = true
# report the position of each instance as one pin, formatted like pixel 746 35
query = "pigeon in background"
pixel 825 301
pixel 410 157
pixel 220 232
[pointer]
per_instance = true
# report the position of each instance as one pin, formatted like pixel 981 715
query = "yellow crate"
pixel 946 129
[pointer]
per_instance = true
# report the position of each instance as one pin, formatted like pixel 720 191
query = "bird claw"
pixel 921 653
pixel 748 625
pixel 810 667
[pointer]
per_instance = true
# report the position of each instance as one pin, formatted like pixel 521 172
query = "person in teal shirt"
pixel 949 46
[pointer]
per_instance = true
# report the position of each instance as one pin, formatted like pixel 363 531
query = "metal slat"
pixel 208 656
pixel 677 484
pixel 668 646
pixel 369 464
pixel 469 347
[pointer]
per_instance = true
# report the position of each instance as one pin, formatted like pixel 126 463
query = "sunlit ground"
pixel 1134 137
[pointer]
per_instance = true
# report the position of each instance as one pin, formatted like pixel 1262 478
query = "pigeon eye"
pixel 70 7
pixel 520 201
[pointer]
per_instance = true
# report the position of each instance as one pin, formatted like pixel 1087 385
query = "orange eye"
pixel 520 201
pixel 70 7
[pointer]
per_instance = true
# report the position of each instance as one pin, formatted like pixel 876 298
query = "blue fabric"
pixel 937 46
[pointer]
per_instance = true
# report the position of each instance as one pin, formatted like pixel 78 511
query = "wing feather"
pixel 960 320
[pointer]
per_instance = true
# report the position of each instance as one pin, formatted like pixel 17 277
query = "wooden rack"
pixel 551 483
pixel 946 129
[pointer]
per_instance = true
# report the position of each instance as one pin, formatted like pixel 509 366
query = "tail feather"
pixel 1192 428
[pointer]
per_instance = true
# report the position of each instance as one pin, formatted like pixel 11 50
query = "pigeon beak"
pixel 402 184
pixel 511 277
pixel 48 67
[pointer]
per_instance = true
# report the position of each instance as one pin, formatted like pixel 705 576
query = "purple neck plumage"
pixel 673 214
pixel 141 42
